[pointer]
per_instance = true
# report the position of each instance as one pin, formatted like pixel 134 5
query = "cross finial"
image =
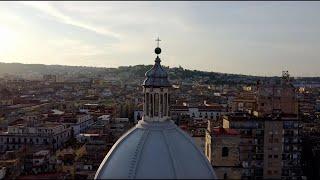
pixel 158 40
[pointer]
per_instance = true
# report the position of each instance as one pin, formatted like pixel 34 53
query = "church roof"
pixel 158 150
pixel 156 76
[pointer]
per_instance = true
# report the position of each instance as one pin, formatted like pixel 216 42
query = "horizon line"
pixel 162 65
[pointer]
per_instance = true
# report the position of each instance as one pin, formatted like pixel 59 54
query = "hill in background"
pixel 127 72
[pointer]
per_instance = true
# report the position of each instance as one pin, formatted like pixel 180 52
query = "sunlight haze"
pixel 253 38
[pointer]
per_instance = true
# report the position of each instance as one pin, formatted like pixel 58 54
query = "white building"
pixel 206 112
pixel 78 123
pixel 105 118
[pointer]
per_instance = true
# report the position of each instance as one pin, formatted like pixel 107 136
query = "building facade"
pixel 53 135
pixel 222 150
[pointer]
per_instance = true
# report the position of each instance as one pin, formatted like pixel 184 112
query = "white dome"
pixel 155 150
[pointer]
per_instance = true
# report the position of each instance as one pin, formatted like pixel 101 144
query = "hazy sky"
pixel 257 38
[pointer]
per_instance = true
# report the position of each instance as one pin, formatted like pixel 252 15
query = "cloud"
pixel 47 8
pixel 76 47
pixel 209 36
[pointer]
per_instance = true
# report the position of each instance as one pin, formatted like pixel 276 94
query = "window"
pixel 156 104
pixel 165 104
pixel 225 176
pixel 151 103
pixel 225 151
pixel 161 105
pixel 168 101
pixel 275 156
pixel 269 156
pixel 147 103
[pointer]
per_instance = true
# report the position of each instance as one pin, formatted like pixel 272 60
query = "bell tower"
pixel 156 91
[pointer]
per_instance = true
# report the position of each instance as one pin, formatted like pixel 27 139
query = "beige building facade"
pixel 221 149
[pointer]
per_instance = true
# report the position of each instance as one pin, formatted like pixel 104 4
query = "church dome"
pixel 155 150
pixel 157 75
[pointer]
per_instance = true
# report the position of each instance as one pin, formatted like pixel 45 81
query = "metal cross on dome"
pixel 158 40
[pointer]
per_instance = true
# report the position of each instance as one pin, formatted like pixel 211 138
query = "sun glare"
pixel 7 39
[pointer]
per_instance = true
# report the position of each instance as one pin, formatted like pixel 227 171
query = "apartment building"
pixel 53 135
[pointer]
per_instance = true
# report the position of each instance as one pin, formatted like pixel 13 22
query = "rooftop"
pixel 219 131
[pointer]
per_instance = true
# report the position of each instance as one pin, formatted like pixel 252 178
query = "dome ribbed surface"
pixel 157 150
pixel 156 76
